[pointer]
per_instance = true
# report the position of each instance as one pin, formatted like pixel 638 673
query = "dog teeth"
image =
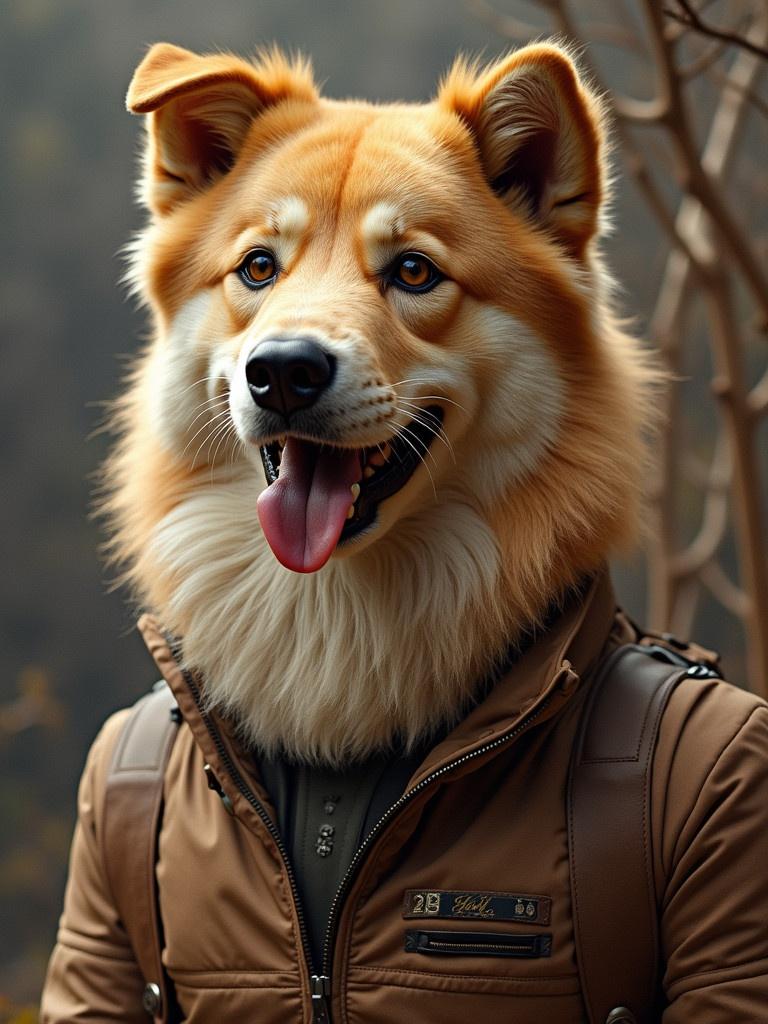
pixel 355 489
pixel 350 511
pixel 368 472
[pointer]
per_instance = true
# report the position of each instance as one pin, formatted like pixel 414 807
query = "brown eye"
pixel 413 272
pixel 259 268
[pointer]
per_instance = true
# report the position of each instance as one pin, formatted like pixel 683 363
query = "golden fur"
pixel 538 475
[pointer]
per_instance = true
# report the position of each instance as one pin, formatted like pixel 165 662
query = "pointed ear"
pixel 200 111
pixel 538 132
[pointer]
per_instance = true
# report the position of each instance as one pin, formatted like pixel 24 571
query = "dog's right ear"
pixel 200 111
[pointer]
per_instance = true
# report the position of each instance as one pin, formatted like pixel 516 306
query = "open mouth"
pixel 319 495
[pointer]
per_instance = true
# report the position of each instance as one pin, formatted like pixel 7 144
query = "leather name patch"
pixel 484 906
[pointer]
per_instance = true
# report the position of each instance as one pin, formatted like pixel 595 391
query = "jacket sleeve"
pixel 92 974
pixel 715 906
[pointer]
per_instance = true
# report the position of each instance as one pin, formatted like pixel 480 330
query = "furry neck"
pixel 386 646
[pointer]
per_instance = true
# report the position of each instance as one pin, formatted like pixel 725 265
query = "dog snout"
pixel 285 376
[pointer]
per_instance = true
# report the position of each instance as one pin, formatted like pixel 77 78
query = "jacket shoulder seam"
pixel 67 942
pixel 753 711
pixel 718 975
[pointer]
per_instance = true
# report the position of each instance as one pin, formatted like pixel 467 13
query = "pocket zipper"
pixel 478 944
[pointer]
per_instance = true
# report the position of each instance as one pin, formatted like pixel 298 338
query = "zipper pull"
pixel 215 785
pixel 321 991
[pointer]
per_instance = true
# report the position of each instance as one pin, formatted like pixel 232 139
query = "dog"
pixel 387 415
pixel 410 763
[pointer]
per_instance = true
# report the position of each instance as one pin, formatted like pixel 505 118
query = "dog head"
pixel 375 302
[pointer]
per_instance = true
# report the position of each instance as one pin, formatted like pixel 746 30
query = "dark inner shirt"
pixel 324 815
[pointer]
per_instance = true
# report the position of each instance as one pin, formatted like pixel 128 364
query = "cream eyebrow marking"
pixel 289 217
pixel 382 224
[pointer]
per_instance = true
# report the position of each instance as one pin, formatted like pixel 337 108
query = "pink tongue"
pixel 303 512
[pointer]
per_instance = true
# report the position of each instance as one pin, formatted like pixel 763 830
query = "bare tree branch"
pixel 690 18
pixel 514 29
pixel 758 398
pixel 696 176
pixel 714 523
pixel 727 82
pixel 704 61
pixel 714 578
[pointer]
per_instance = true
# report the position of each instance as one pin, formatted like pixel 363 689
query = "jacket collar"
pixel 536 685
pixel 540 681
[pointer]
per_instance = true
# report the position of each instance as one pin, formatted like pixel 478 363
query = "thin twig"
pixel 704 61
pixel 691 19
pixel 514 29
pixel 727 82
pixel 714 578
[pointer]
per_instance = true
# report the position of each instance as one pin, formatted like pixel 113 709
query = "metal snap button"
pixel 621 1015
pixel 152 1000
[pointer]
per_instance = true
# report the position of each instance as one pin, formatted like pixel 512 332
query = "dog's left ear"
pixel 539 137
pixel 201 108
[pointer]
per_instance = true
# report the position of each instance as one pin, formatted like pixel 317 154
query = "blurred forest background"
pixel 69 652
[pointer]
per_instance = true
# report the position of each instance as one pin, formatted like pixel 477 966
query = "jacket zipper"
pixel 396 807
pixel 478 947
pixel 320 984
pixel 478 944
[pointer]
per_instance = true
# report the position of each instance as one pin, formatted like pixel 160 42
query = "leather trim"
pixel 612 885
pixel 133 798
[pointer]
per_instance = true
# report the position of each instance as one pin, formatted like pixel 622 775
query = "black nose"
pixel 286 376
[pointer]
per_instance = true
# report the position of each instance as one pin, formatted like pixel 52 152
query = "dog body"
pixel 440 262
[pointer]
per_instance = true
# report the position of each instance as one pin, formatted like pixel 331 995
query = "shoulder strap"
pixel 133 799
pixel 612 885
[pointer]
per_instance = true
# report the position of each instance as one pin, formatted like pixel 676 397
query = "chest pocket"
pixel 440 943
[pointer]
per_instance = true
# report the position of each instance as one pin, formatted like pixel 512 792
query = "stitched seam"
pixel 710 770
pixel 573 872
pixel 232 985
pixel 638 748
pixel 467 977
pixel 665 690
pixel 726 971
pixel 150 873
pixel 76 947
pixel 185 971
pixel 727 975
pixel 611 760
pixel 462 992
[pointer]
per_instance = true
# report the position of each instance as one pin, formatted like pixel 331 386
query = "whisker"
pixel 235 447
pixel 420 457
pixel 415 412
pixel 201 380
pixel 426 380
pixel 213 431
pixel 207 423
pixel 220 432
pixel 222 439
pixel 434 427
pixel 212 403
pixel 411 380
pixel 418 440
pixel 419 408
pixel 442 398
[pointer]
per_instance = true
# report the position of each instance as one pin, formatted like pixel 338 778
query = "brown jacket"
pixel 487 815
